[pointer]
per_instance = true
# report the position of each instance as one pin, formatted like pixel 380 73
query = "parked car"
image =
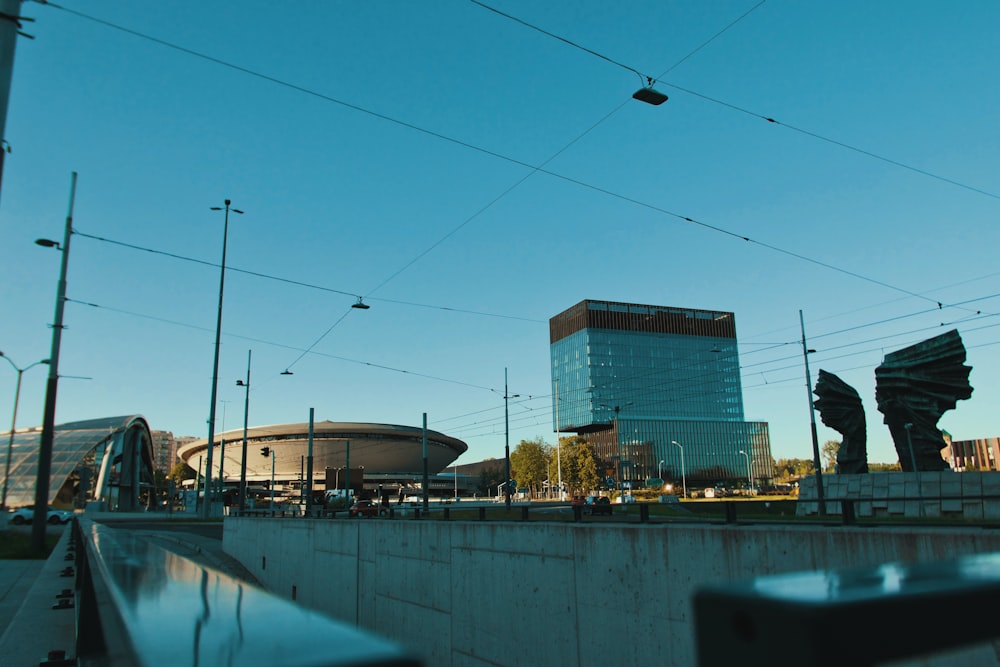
pixel 23 515
pixel 368 508
pixel 598 505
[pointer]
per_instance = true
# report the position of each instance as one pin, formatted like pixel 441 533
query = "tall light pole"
pixel 51 388
pixel 684 483
pixel 558 445
pixel 659 469
pixel 13 424
pixel 246 414
pixel 749 473
pixel 506 431
pixel 268 451
pixel 205 508
pixel 812 421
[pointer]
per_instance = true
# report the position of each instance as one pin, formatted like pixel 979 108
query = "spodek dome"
pixel 386 452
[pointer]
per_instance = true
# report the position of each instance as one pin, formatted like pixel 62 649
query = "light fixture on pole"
pixel 205 508
pixel 812 421
pixel 659 469
pixel 749 473
pixel 909 442
pixel 246 414
pixel 268 451
pixel 506 430
pixel 13 423
pixel 51 388
pixel 684 483
pixel 558 445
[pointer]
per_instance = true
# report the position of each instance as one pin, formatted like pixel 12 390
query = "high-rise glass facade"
pixel 636 379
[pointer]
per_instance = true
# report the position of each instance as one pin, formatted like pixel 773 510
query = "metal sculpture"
pixel 914 387
pixel 840 408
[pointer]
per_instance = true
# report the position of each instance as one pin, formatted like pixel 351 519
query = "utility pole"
pixel 812 422
pixel 49 418
pixel 10 28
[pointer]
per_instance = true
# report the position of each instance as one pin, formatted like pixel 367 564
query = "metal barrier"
pixel 139 604
pixel 849 617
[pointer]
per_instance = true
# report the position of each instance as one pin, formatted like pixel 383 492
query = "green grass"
pixel 17 546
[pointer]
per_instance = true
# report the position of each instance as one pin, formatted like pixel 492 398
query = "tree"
pixel 579 464
pixel 789 468
pixel 181 471
pixel 829 453
pixel 490 478
pixel 529 463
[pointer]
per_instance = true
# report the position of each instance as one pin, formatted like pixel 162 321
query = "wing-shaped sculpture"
pixel 840 408
pixel 916 386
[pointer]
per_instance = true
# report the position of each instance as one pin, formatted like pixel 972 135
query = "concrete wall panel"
pixel 535 593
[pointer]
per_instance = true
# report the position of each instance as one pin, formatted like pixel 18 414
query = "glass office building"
pixel 657 391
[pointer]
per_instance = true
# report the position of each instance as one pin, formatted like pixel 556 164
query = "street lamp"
pixel 13 423
pixel 683 474
pixel 749 473
pixel 909 442
pixel 506 429
pixel 659 469
pixel 51 388
pixel 215 364
pixel 246 413
pixel 812 421
pixel 267 451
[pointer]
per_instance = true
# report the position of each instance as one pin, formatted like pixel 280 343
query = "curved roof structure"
pixel 378 448
pixel 75 446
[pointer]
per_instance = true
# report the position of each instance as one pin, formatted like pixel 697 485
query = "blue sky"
pixel 391 150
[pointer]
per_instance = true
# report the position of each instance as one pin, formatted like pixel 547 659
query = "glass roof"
pixel 71 442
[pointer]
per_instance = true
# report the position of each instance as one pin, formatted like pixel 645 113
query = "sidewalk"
pixel 31 628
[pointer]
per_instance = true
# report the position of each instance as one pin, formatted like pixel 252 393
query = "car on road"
pixel 597 506
pixel 368 508
pixel 23 515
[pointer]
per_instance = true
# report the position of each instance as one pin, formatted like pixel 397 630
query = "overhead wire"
pixel 740 109
pixel 537 169
pixel 533 168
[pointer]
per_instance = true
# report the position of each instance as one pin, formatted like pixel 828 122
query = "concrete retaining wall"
pixel 498 593
pixel 967 495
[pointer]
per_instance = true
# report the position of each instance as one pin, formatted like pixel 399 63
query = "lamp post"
pixel 812 421
pixel 506 430
pixel 558 445
pixel 909 442
pixel 683 474
pixel 659 469
pixel 246 413
pixel 13 423
pixel 51 388
pixel 749 473
pixel 215 364
pixel 268 451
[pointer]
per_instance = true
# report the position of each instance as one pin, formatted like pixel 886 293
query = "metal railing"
pixel 138 604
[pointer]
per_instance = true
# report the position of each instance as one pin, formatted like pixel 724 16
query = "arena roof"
pixel 378 448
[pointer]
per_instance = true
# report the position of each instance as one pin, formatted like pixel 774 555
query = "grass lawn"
pixel 16 545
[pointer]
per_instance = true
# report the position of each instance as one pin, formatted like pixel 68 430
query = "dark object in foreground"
pixel 891 611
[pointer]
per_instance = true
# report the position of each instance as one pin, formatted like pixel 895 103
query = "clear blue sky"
pixel 387 149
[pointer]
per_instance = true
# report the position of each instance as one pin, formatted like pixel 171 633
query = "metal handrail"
pixel 140 604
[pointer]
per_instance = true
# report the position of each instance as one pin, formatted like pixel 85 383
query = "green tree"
pixel 529 463
pixel 786 469
pixel 579 465
pixel 490 476
pixel 180 472
pixel 829 453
